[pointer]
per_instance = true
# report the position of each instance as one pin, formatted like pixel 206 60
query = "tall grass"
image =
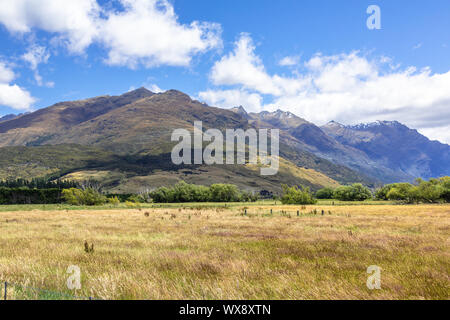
pixel 220 253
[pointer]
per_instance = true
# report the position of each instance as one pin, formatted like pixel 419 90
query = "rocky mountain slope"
pixel 395 146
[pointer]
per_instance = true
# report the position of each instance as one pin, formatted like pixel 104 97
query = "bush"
pixel 401 191
pixel 325 193
pixel 225 193
pixel 296 195
pixel 87 197
pixel 355 192
pixel 432 191
pixel 114 201
pixel 184 192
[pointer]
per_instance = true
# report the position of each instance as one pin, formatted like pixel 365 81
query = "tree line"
pixel 38 183
pixel 38 191
pixel 432 191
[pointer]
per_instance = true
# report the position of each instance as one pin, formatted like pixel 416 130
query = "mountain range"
pixel 124 142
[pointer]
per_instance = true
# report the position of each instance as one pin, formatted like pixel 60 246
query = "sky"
pixel 315 58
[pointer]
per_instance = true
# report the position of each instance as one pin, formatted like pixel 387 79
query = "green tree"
pixel 296 195
pixel 325 193
pixel 355 192
pixel 87 197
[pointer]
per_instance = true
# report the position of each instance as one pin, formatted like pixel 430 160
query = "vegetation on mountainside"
pixel 38 183
pixel 136 173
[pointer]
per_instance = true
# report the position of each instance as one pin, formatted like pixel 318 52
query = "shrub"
pixel 296 195
pixel 114 201
pixel 87 197
pixel 184 192
pixel 402 192
pixel 355 192
pixel 325 193
pixel 432 191
pixel 381 193
pixel 225 193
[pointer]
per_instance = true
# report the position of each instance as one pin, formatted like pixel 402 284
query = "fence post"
pixel 6 288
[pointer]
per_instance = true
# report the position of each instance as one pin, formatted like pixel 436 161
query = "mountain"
pixel 395 146
pixel 126 142
pixel 305 136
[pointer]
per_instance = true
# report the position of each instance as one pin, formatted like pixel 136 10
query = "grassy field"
pixel 211 251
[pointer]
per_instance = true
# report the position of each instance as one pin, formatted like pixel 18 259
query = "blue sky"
pixel 316 59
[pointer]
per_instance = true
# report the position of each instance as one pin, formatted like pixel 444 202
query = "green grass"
pixel 53 207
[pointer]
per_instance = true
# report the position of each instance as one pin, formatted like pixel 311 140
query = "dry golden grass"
pixel 221 254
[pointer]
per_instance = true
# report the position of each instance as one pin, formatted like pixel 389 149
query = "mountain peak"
pixel 240 110
pixel 280 118
pixel 138 93
pixel 375 124
pixel 176 94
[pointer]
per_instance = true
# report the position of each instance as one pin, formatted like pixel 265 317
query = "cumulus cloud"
pixel 349 88
pixel 148 32
pixel 289 61
pixel 243 67
pixel 35 56
pixel 143 32
pixel 74 22
pixel 11 95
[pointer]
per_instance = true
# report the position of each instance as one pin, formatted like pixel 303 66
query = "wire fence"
pixel 14 291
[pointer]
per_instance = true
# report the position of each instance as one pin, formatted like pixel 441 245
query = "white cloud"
pixel 243 67
pixel 232 98
pixel 148 32
pixel 144 32
pixel 35 56
pixel 73 21
pixel 289 61
pixel 12 95
pixel 349 88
